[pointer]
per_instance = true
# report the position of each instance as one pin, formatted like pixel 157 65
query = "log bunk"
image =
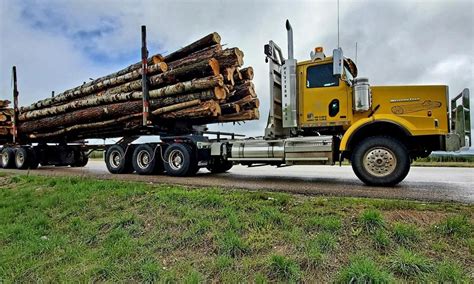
pixel 201 83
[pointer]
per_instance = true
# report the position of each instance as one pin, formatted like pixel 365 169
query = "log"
pixel 3 117
pixel 241 116
pixel 195 57
pixel 4 103
pixel 228 74
pixel 200 69
pixel 209 40
pixel 105 112
pixel 175 107
pixel 190 86
pixel 246 88
pixel 230 57
pixel 103 124
pixel 237 75
pixel 229 108
pixel 78 91
pixel 205 109
pixel 247 73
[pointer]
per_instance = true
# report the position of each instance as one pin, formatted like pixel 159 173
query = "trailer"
pixel 320 114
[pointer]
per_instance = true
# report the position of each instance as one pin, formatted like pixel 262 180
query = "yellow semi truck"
pixel 322 113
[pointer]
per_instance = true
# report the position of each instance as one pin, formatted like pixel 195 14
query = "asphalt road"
pixel 422 183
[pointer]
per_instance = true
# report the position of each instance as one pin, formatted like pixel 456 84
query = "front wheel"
pixel 381 161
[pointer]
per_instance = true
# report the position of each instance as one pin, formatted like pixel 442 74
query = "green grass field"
pixel 86 230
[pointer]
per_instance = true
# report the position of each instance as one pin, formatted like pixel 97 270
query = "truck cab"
pixel 379 129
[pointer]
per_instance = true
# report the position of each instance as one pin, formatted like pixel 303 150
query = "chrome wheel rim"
pixel 115 159
pixel 20 158
pixel 143 159
pixel 176 159
pixel 4 158
pixel 380 161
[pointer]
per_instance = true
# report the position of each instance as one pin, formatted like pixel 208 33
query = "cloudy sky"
pixel 57 45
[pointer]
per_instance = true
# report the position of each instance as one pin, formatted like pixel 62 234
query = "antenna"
pixel 356 53
pixel 338 24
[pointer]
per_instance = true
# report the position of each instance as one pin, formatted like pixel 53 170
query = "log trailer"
pixel 320 113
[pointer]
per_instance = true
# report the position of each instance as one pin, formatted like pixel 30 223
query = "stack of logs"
pixel 198 84
pixel 6 118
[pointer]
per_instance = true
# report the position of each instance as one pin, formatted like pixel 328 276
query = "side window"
pixel 321 76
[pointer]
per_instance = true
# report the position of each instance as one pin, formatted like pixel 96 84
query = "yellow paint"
pixel 407 106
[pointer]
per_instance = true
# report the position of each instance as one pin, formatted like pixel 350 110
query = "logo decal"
pixel 426 105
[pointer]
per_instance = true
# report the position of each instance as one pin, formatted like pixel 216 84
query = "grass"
pixel 363 269
pixel 409 264
pixel 458 225
pixel 284 268
pixel 55 229
pixel 405 234
pixel 371 220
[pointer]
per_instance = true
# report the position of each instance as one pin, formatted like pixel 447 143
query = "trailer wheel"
pixel 8 158
pixel 146 161
pixel 22 158
pixel 180 160
pixel 33 161
pixel 80 160
pixel 381 161
pixel 220 166
pixel 117 160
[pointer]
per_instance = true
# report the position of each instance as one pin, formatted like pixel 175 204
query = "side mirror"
pixel 338 62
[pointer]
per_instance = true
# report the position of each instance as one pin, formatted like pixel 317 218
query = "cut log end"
pixel 157 59
pixel 216 38
pixel 220 93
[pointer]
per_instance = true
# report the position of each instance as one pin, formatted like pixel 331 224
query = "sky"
pixel 58 45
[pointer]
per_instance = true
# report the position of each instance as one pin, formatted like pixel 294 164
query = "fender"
pixel 409 128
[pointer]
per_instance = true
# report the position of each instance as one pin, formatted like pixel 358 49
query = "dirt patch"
pixel 419 218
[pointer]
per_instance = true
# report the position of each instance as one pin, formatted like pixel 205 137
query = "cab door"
pixel 324 96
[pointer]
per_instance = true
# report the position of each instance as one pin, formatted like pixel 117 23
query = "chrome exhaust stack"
pixel 289 31
pixel 288 80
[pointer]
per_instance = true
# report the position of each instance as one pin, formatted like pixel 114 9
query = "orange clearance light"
pixel 318 49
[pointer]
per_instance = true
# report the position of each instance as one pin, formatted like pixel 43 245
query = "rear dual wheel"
pixel 20 158
pixel 146 160
pixel 180 160
pixel 118 159
pixel 8 158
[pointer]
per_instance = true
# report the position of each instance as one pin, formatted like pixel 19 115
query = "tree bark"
pixel 198 70
pixel 241 116
pixel 112 110
pixel 205 109
pixel 247 73
pixel 103 124
pixel 195 57
pixel 190 86
pixel 209 40
pixel 78 91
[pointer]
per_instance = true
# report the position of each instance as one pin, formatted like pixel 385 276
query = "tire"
pixel 8 158
pixel 80 160
pixel 180 160
pixel 22 158
pixel 117 160
pixel 33 162
pixel 146 160
pixel 220 166
pixel 381 161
